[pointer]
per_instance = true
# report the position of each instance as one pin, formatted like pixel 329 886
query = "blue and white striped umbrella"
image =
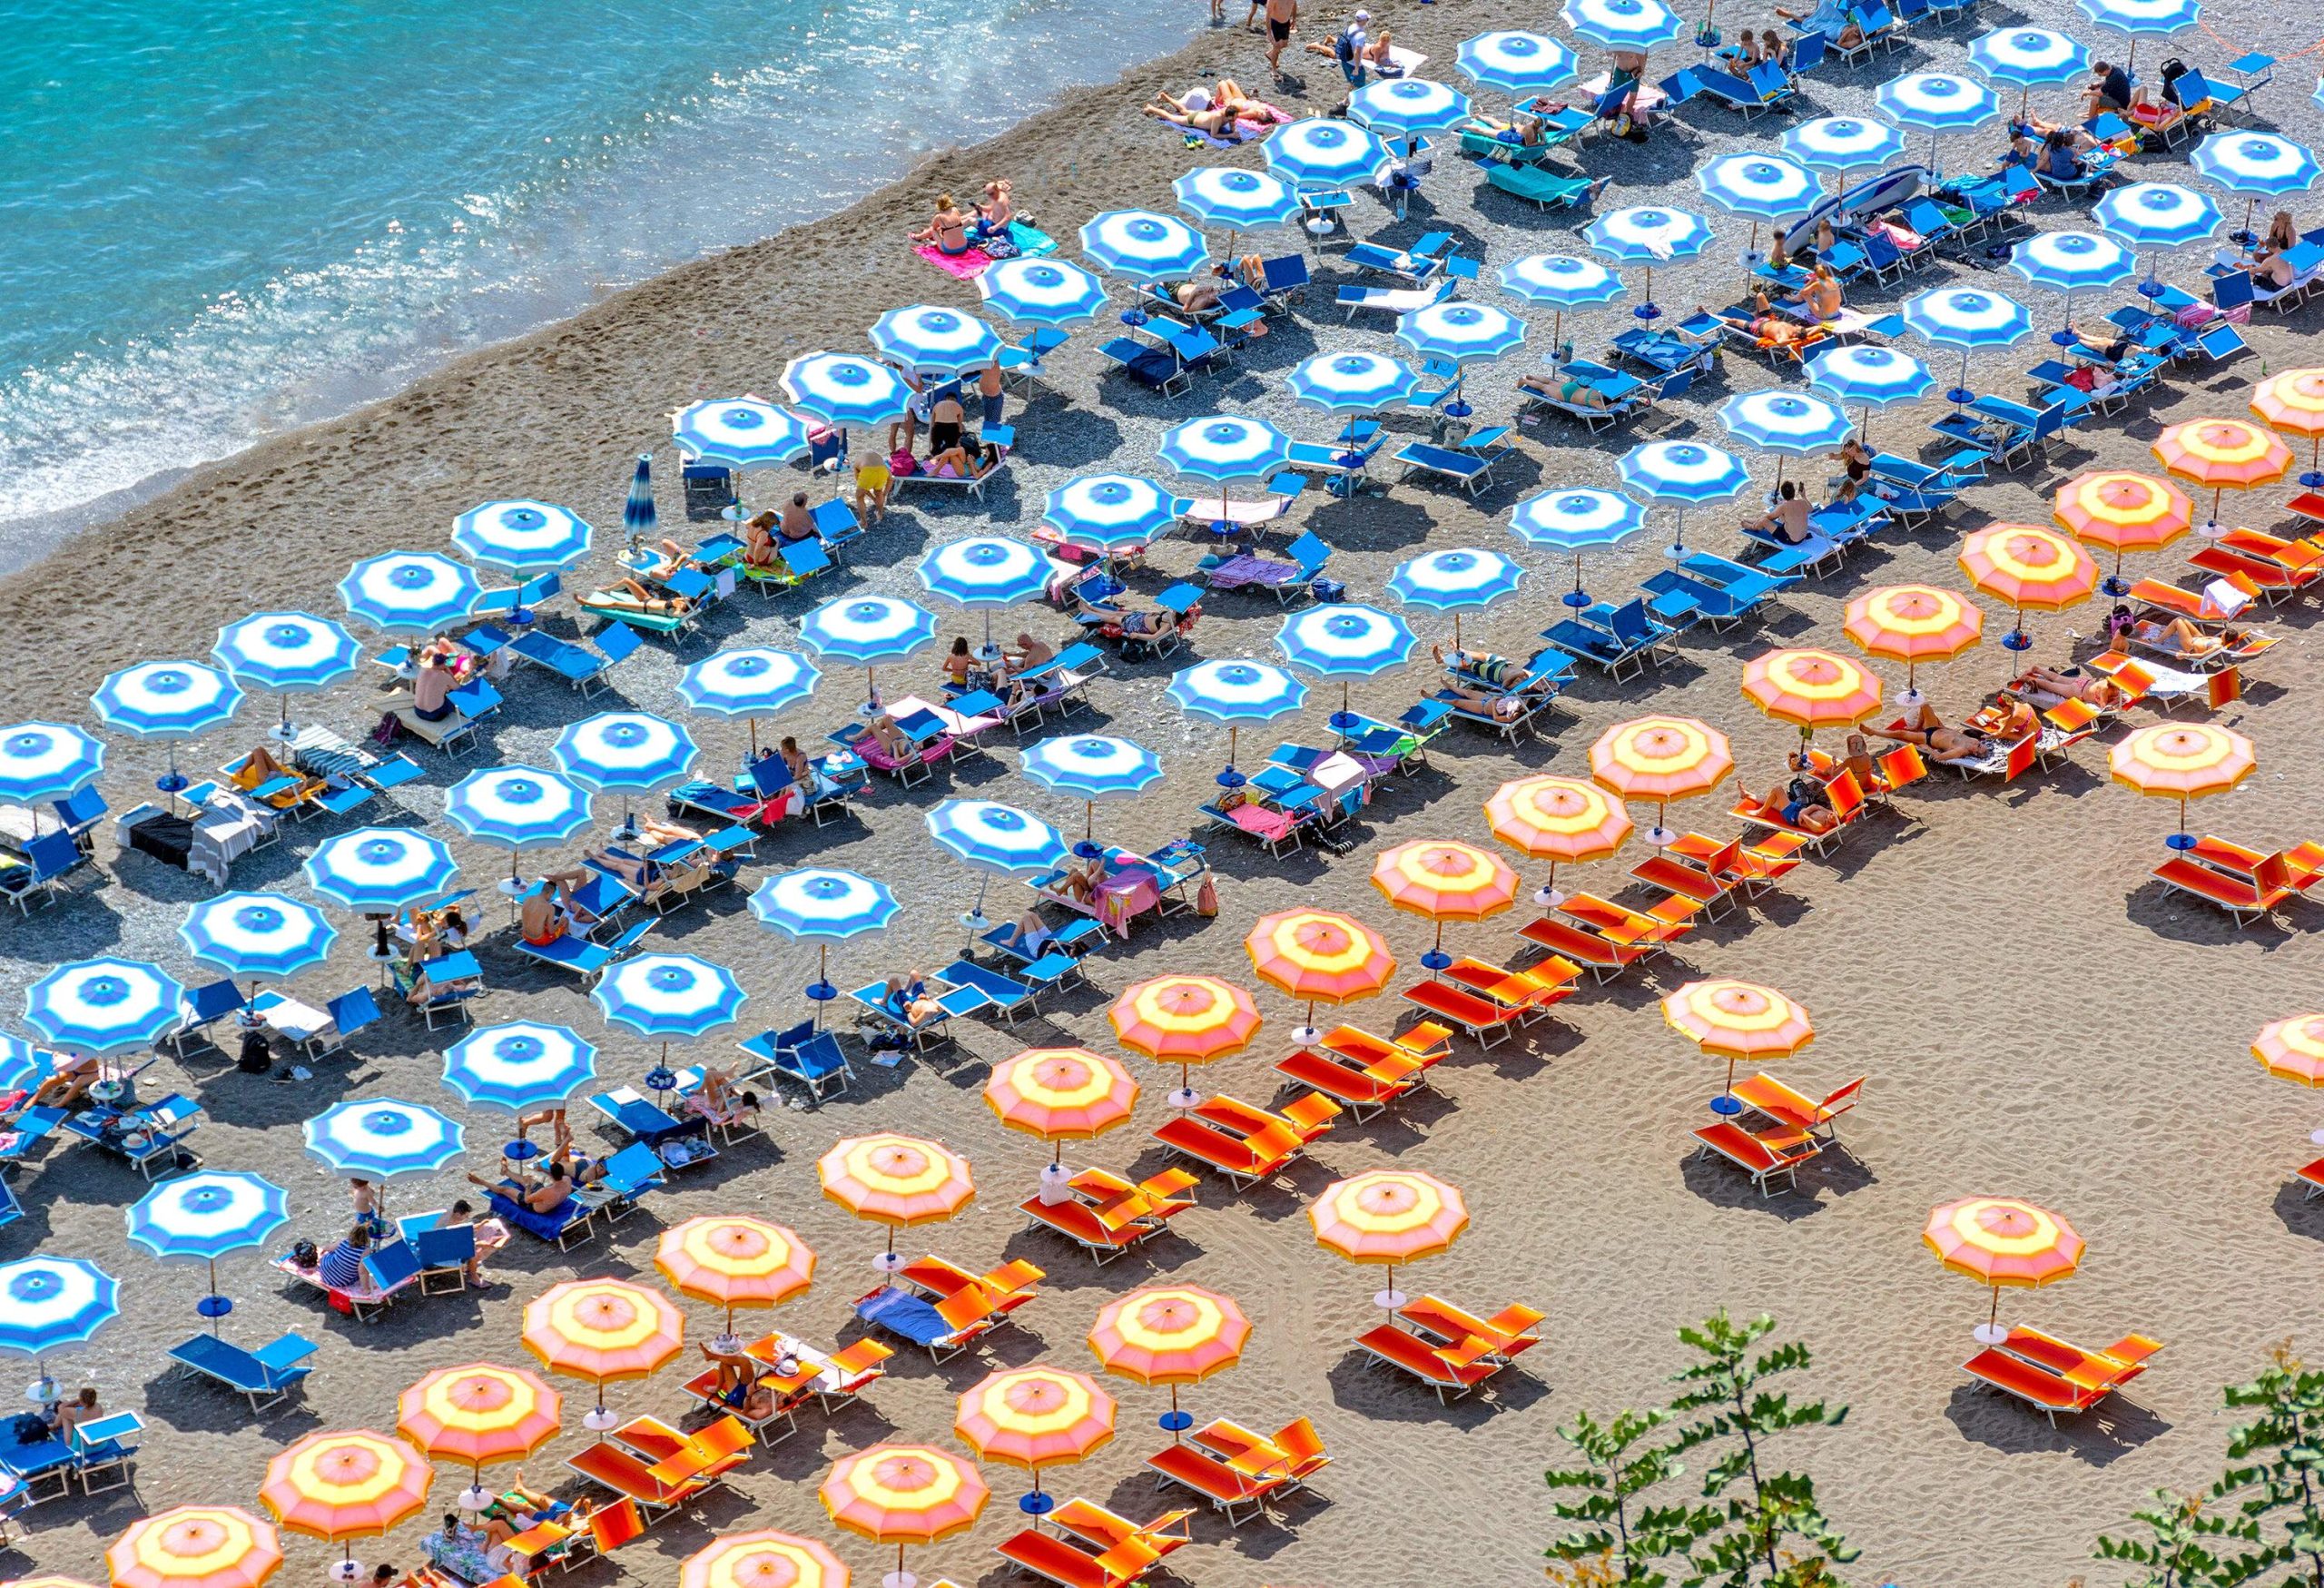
pixel 1237 691
pixel 750 681
pixel 868 628
pixel 1562 281
pixel 935 340
pixel 289 653
pixel 1842 142
pixel 986 570
pixel 739 432
pixel 527 537
pixel 207 1215
pixel 383 1139
pixel 1793 424
pixel 673 997
pixel 2072 262
pixel 519 1065
pixel 1352 382
pixel 1689 473
pixel 2143 19
pixel 1400 107
pixel 2258 163
pixel 1238 200
pixel 22 1065
pixel 102 1006
pixel 1461 580
pixel 410 592
pixel 1622 24
pixel 1759 187
pixel 988 836
pixel 257 935
pixel 1142 246
pixel 1344 640
pixel 840 388
pixel 624 751
pixel 1575 519
pixel 1054 292
pixel 1967 318
pixel 46 760
pixel 1224 447
pixel 1461 332
pixel 53 1304
pixel 1937 102
pixel 1322 151
pixel 638 506
pixel 166 700
pixel 823 902
pixel 2028 57
pixel 376 870
pixel 1091 766
pixel 1868 376
pixel 1516 63
pixel 2157 214
pixel 1648 235
pixel 521 807
pixel 1108 511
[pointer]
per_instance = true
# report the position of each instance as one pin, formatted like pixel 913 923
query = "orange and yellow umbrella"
pixel 1169 1334
pixel 1061 1094
pixel 1389 1217
pixel 195 1546
pixel 1191 1019
pixel 1811 688
pixel 897 1182
pixel 1661 758
pixel 51 1582
pixel 2181 760
pixel 1555 819
pixel 2292 1049
pixel 903 1494
pixel 764 1559
pixel 479 1414
pixel 2032 568
pixel 734 1260
pixel 603 1330
pixel 1912 624
pixel 1998 1241
pixel 2293 405
pixel 340 1488
pixel 1444 880
pixel 1033 1417
pixel 2118 510
pixel 2221 453
pixel 1733 1020
pixel 1319 956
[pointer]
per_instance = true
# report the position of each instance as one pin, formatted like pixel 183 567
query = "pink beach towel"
pixel 965 267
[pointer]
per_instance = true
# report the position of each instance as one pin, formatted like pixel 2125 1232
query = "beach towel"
pixel 1030 243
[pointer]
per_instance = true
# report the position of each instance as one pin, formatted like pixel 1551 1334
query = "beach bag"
pixel 384 731
pixel 1000 245
pixel 1206 899
pixel 901 463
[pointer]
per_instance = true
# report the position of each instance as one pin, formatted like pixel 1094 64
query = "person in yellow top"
pixel 871 482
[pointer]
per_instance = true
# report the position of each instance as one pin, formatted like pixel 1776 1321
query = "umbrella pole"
pixel 1233 731
pixel 1088 820
pixel 1678 537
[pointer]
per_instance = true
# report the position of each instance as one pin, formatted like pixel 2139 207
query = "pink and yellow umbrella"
pixel 340 1488
pixel 903 1494
pixel 898 1181
pixel 1444 880
pixel 1811 689
pixel 2221 453
pixel 2181 760
pixel 1661 758
pixel 1555 819
pixel 51 1582
pixel 1169 1334
pixel 1061 1095
pixel 2292 1049
pixel 1033 1417
pixel 764 1559
pixel 2293 405
pixel 1912 624
pixel 2032 568
pixel 1319 956
pixel 1388 1217
pixel 603 1330
pixel 733 1260
pixel 194 1546
pixel 1186 1018
pixel 1733 1020
pixel 2001 1241
pixel 2118 510
pixel 480 1416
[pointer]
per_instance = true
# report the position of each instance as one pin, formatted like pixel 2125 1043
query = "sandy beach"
pixel 2036 1018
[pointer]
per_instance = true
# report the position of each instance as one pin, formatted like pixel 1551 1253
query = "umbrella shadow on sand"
pixel 2100 1436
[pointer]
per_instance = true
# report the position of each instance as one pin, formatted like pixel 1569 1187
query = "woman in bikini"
pixel 1927 730
pixel 949 230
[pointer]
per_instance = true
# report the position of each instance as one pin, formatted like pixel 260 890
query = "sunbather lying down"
pixel 957 462
pixel 1763 325
pixel 2180 635
pixel 1800 801
pixel 892 739
pixel 674 558
pixel 1488 667
pixel 630 596
pixel 1928 730
pixel 1122 619
pixel 1573 393
pixel 2045 686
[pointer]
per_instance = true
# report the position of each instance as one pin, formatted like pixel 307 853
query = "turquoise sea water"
pixel 224 219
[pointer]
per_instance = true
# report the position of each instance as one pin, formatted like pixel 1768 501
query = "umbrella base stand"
pixel 602 1420
pixel 1659 836
pixel 1390 1300
pixel 899 1580
pixel 1185 1096
pixel 1727 1105
pixel 1987 1334
pixel 346 1571
pixel 512 887
pixel 1549 898
pixel 887 1262
pixel 475 1497
pixel 1056 1185
pixel 1307 1036
pixel 1911 698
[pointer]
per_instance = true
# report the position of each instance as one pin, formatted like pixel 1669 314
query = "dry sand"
pixel 2036 1019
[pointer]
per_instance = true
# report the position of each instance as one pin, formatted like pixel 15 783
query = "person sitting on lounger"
pixel 342 1267
pixel 948 230
pixel 1571 393
pixel 796 521
pixel 2270 265
pixel 433 681
pixel 491 1235
pixel 958 662
pixel 738 1375
pixel 68 1089
pixel 2057 160
pixel 801 769
pixel 1820 296
pixel 81 1408
pixel 2109 88
pixel 1928 730
pixel 1082 883
pixel 2046 686
pixel 553 1191
pixel 960 463
pixel 1799 801
pixel 547 913
pixel 1788 519
pixel 908 999
pixel 1764 326
pixel 1857 760
pixel 629 596
pixel 1030 652
pixel 1832 18
pixel 758 541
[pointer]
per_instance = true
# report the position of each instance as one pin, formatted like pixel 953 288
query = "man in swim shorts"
pixel 1283 15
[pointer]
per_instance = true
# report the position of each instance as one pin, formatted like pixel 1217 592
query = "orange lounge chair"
pixel 1766 1156
pixel 704 1387
pixel 1305 1117
pixel 1354 1087
pixel 2278 567
pixel 1750 864
pixel 1295 1451
pixel 1413 1052
pixel 1094 1524
pixel 1599 955
pixel 1453 1373
pixel 1779 1102
pixel 2174 601
pixel 707 1455
pixel 857 1367
pixel 1106 1214
pixel 1531 991
pixel 1245 1160
pixel 2110 1368
pixel 2312 1176
pixel 1227 1490
pixel 1049 1556
pixel 1481 1018
pixel 1666 921
pixel 2037 1386
pixel 2247 896
pixel 1710 881
pixel 610 1466
pixel 1509 1332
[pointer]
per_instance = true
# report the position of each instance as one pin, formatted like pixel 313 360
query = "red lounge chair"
pixel 2110 1368
pixel 1664 921
pixel 1047 1555
pixel 1350 1085
pixel 2037 1386
pixel 857 1368
pixel 1901 766
pixel 1244 1159
pixel 1509 1332
pixel 1456 1372
pixel 1115 1216
pixel 1750 864
pixel 1766 1156
pixel 1601 957
pixel 1481 1018
pixel 610 1466
pixel 1413 1052
pixel 1294 1451
pixel 1779 1102
pixel 2312 1176
pixel 1708 886
pixel 1305 1118
pixel 1094 1524
pixel 1531 991
pixel 2247 900
pixel 1227 1489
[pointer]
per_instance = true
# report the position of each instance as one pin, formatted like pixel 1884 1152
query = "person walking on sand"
pixel 1283 15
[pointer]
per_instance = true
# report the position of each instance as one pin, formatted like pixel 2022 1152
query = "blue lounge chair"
pixel 1403 742
pixel 48 861
pixel 1074 938
pixel 635 1115
pixel 812 1058
pixel 444 1255
pixel 390 1265
pixel 1413 266
pixel 38 1464
pixel 1604 645
pixel 1469 471
pixel 1005 994
pixel 635 1170
pixel 202 1008
pixel 27 1131
pixel 870 1003
pixel 579 955
pixel 106 1446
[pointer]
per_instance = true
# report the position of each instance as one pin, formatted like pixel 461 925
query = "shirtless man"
pixel 1283 15
pixel 1927 730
